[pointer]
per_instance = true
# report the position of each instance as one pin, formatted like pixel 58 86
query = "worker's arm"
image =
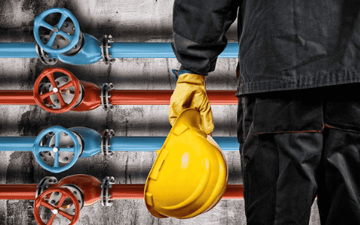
pixel 199 37
pixel 199 32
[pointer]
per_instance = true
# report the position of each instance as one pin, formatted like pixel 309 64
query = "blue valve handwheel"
pixel 56 167
pixel 39 22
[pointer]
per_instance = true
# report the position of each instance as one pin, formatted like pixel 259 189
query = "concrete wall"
pixel 127 21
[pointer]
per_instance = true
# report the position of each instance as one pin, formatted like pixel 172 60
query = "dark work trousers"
pixel 296 145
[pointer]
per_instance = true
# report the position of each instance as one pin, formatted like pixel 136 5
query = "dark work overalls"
pixel 299 100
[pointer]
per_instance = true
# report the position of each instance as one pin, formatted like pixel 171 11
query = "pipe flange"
pixel 44 57
pixel 44 184
pixel 105 142
pixel 105 196
pixel 105 45
pixel 105 96
pixel 55 197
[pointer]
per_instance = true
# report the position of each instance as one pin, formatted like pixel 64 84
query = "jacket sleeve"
pixel 199 32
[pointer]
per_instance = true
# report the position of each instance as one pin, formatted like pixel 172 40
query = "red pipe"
pixel 18 191
pixel 123 97
pixel 234 192
pixel 127 191
pixel 136 191
pixel 17 98
pixel 162 97
pixel 118 191
pixel 220 97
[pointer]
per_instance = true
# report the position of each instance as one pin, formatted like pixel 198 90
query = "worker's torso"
pixel 286 45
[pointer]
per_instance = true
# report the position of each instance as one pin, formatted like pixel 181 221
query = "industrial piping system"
pixel 57 149
pixel 67 196
pixel 65 42
pixel 64 93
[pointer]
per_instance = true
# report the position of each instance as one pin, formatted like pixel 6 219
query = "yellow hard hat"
pixel 190 173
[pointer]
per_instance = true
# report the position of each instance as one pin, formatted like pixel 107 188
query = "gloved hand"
pixel 190 93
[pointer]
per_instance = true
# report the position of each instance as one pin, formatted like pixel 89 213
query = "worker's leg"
pixel 279 168
pixel 339 194
pixel 339 189
pixel 280 176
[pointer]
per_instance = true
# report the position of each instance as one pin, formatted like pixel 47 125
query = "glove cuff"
pixel 191 78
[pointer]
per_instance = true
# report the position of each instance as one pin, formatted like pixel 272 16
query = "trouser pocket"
pixel 292 111
pixel 342 107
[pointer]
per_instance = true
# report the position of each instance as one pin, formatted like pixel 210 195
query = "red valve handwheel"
pixel 65 193
pixel 49 73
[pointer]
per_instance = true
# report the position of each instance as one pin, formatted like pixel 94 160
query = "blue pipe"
pixel 227 143
pixel 17 143
pixel 141 50
pixel 231 51
pixel 18 50
pixel 117 50
pixel 133 144
pixel 159 50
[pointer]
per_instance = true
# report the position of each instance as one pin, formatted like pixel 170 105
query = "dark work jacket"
pixel 284 45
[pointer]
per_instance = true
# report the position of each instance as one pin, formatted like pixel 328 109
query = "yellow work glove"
pixel 190 93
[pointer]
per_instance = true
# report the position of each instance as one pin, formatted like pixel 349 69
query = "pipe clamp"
pixel 105 45
pixel 105 142
pixel 105 96
pixel 105 196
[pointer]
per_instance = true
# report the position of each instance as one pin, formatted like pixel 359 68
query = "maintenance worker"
pixel 299 100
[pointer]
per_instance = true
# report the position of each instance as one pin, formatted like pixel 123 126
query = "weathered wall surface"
pixel 127 21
